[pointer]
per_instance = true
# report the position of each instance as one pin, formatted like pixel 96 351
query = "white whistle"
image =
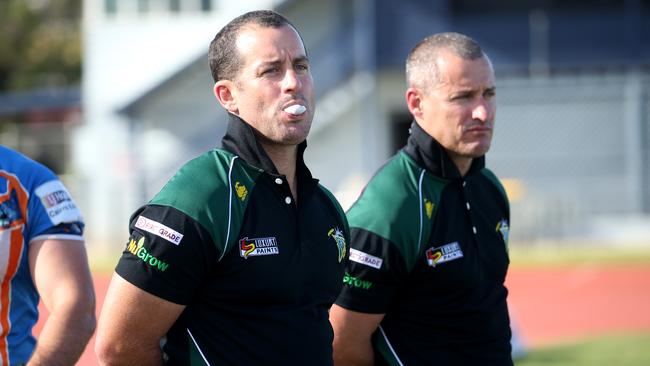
pixel 296 109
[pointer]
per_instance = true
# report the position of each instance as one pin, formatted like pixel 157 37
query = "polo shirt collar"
pixel 240 139
pixel 428 153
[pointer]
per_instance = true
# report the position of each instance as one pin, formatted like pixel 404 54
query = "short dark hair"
pixel 223 55
pixel 422 58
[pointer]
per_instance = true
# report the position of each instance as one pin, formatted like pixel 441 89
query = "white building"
pixel 130 47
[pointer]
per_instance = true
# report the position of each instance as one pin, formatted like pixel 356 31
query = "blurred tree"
pixel 40 44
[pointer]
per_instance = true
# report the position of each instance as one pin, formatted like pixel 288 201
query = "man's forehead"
pixel 462 72
pixel 252 36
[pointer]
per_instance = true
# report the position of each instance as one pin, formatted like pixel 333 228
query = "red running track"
pixel 549 305
pixel 556 305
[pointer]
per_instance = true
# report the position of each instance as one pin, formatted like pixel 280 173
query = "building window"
pixel 175 6
pixel 143 6
pixel 146 7
pixel 110 6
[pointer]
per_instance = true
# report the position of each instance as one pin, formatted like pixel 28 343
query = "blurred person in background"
pixel 42 254
pixel 237 260
pixel 429 248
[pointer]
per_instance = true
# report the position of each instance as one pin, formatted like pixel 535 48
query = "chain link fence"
pixel 573 150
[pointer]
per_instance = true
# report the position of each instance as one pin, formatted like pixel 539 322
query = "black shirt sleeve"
pixel 168 253
pixel 373 273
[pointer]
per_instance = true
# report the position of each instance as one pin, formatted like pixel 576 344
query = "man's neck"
pixel 284 158
pixel 462 163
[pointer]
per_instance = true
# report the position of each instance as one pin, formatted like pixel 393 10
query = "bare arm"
pixel 60 272
pixel 131 324
pixel 352 332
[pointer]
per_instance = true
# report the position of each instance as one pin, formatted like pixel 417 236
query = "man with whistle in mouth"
pixel 239 257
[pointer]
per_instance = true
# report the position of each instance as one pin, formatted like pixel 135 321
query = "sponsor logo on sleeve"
pixel 442 254
pixel 338 237
pixel 159 229
pixel 138 250
pixel 356 282
pixel 57 202
pixel 365 258
pixel 257 246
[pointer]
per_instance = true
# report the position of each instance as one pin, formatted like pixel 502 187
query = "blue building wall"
pixel 585 33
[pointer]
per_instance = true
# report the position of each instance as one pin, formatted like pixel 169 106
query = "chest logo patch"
pixel 258 246
pixel 241 190
pixel 444 253
pixel 338 237
pixel 428 206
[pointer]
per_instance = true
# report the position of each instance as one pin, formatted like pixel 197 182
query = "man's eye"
pixel 269 71
pixel 302 67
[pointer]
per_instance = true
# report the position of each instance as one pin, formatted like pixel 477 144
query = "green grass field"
pixel 614 350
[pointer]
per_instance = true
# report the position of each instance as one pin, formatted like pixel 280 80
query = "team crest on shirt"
pixel 504 229
pixel 241 190
pixel 258 246
pixel 338 237
pixel 442 254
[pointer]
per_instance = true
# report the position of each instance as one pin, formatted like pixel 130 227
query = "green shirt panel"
pixel 212 189
pixel 399 205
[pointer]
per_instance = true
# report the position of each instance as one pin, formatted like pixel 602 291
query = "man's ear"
pixel 414 101
pixel 223 91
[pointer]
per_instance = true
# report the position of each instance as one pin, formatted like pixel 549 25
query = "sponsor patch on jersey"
pixel 138 250
pixel 365 258
pixel 57 202
pixel 10 214
pixel 159 229
pixel 504 229
pixel 338 237
pixel 444 253
pixel 356 282
pixel 258 246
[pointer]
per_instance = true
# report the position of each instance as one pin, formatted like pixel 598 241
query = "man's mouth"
pixel 296 109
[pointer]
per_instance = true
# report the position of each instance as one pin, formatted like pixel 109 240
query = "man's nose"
pixel 481 111
pixel 291 82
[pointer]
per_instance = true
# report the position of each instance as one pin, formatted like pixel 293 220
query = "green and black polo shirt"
pixel 429 250
pixel 256 272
